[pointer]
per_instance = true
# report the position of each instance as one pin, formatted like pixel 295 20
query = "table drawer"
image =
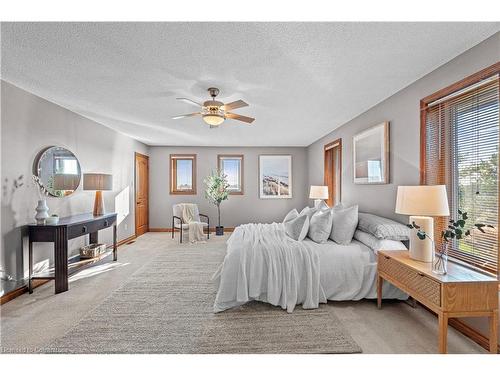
pixel 90 227
pixel 416 282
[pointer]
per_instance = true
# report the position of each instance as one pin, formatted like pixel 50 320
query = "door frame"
pixel 136 155
pixel 337 143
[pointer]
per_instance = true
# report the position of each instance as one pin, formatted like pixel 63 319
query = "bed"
pixel 262 263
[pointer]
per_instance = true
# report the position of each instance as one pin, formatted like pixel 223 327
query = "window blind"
pixel 461 151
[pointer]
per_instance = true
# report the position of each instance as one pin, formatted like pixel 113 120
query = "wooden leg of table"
pixel 494 332
pixel 380 283
pixel 30 256
pixel 94 237
pixel 115 252
pixel 443 333
pixel 61 259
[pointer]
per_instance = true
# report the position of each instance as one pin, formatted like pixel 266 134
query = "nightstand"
pixel 462 292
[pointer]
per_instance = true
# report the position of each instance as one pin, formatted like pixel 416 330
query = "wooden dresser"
pixel 462 292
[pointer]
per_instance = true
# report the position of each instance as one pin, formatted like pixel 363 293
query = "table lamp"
pixel 98 182
pixel 422 202
pixel 318 193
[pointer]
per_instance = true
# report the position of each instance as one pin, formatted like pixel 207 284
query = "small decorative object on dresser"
pixel 455 231
pixel 319 194
pixel 422 202
pixel 98 182
pixel 52 220
pixel 371 155
pixel 462 292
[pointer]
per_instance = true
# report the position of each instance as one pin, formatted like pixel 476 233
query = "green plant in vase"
pixel 216 192
pixel 455 231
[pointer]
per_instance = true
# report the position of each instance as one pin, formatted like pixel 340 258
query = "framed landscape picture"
pixel 275 176
pixel 371 155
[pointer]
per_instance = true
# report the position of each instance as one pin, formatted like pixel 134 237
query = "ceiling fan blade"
pixel 188 115
pixel 235 105
pixel 234 116
pixel 189 101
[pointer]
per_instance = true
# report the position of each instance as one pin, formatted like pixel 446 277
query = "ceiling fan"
pixel 215 112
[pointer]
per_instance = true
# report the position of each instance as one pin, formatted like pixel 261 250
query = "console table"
pixel 68 228
pixel 462 292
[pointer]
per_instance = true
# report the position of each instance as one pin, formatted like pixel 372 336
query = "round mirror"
pixel 58 170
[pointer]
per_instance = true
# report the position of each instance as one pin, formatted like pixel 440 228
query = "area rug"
pixel 166 307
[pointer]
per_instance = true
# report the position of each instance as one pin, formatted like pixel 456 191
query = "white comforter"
pixel 264 264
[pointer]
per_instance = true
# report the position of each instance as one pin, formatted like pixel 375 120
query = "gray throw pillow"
pixel 297 228
pixel 320 226
pixel 344 223
pixel 383 228
pixel 291 215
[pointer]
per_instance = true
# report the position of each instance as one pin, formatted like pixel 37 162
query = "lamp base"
pixel 317 202
pixel 98 204
pixel 422 250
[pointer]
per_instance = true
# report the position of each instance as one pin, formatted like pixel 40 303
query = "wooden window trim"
pixel 173 174
pixel 242 170
pixel 457 86
pixel 451 89
pixel 327 147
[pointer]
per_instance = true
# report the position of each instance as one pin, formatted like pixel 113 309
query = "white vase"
pixel 42 212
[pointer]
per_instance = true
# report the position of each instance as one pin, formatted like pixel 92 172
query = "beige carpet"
pixel 166 307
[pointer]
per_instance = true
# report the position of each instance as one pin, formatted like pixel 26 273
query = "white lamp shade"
pixel 97 181
pixel 318 192
pixel 424 200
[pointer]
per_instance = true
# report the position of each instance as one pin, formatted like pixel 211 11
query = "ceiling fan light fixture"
pixel 213 119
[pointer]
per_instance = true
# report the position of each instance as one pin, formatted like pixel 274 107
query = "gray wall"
pixel 30 123
pixel 402 110
pixel 238 209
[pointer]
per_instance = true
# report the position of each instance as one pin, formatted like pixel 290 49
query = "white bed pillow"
pixel 297 228
pixel 344 223
pixel 291 215
pixel 377 244
pixel 320 226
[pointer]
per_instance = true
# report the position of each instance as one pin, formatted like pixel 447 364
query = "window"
pixel 232 167
pixel 460 135
pixel 333 171
pixel 65 165
pixel 182 174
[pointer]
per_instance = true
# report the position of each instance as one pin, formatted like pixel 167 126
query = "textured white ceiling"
pixel 301 80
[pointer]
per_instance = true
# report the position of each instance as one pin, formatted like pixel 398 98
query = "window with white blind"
pixel 460 144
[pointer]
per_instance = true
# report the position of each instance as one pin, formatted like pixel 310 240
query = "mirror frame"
pixel 36 167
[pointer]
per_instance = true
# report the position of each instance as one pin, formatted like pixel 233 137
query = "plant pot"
pixel 219 231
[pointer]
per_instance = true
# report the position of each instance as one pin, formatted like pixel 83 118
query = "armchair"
pixel 180 225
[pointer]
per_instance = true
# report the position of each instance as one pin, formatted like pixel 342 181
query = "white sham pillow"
pixel 377 244
pixel 291 215
pixel 344 224
pixel 309 211
pixel 320 226
pixel 297 228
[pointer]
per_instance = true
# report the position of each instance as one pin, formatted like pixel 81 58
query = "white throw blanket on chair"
pixel 195 227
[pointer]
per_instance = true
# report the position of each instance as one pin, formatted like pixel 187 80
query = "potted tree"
pixel 216 192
